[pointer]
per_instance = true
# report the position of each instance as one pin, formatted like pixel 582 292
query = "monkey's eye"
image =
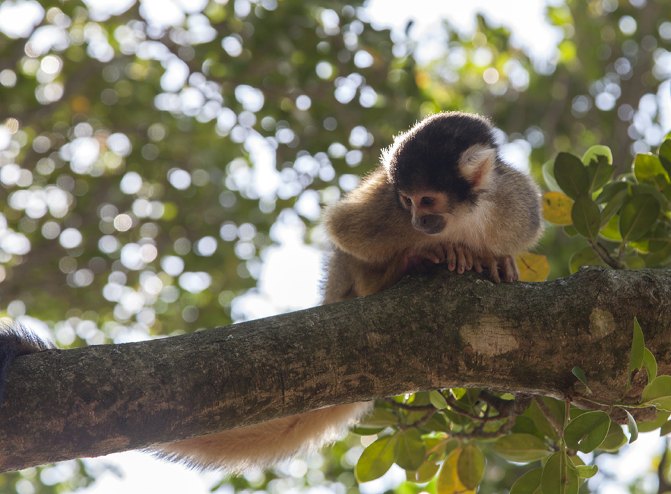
pixel 407 202
pixel 427 201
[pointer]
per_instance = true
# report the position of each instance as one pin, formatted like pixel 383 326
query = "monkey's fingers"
pixel 493 268
pixel 464 260
pixel 478 265
pixel 451 257
pixel 509 268
pixel 436 254
pixel 433 257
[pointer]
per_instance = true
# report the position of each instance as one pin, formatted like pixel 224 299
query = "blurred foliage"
pixel 150 155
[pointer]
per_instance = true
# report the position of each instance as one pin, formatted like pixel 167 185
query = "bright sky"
pixel 525 18
pixel 300 265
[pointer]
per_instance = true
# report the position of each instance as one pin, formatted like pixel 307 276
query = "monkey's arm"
pixel 369 223
pixel 351 277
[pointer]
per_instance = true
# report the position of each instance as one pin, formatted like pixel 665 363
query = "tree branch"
pixel 431 331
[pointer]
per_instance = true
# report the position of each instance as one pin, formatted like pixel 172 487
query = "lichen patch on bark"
pixel 601 323
pixel 490 337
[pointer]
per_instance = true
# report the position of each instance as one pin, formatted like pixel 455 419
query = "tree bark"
pixel 429 331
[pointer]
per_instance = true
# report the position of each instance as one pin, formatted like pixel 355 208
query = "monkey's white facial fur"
pixel 427 210
pixel 431 211
pixel 475 165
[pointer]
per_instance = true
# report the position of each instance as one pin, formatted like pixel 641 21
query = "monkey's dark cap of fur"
pixel 426 157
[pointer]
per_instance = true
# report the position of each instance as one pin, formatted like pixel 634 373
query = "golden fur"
pixel 267 443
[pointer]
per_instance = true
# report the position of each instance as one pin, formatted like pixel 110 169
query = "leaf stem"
pixel 549 416
pixel 605 256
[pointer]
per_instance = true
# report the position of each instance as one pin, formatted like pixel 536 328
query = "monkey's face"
pixel 428 210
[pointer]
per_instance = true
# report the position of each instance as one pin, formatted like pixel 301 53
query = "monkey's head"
pixel 440 166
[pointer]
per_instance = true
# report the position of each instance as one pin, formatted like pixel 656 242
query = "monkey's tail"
pixel 15 340
pixel 266 443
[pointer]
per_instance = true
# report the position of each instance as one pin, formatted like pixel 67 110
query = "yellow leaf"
pixel 448 478
pixel 532 267
pixel 557 208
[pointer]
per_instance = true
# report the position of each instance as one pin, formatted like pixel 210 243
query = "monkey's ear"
pixel 476 165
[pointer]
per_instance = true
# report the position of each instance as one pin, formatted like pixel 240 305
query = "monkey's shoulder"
pixel 372 205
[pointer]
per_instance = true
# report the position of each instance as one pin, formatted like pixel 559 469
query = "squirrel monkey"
pixel 441 195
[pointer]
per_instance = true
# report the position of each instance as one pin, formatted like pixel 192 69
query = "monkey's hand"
pixel 499 268
pixel 460 258
pixel 457 257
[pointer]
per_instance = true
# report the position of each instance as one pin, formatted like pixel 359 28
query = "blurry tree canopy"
pixel 151 152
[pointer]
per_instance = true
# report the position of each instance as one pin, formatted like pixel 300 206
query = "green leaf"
pixel 586 216
pixel 637 348
pixel 424 473
pixel 529 483
pixel 570 231
pixel 376 459
pixel 380 417
pixel 584 257
pixel 660 236
pixel 586 471
pixel 613 206
pixel 521 447
pixel 654 424
pixel 611 231
pixel 559 476
pixel 409 450
pixel 614 440
pixel 548 171
pixel 665 155
pixel 525 425
pixel 471 466
pixel 637 216
pixel 594 153
pixel 458 393
pixel 576 460
pixel 611 190
pixel 658 393
pixel 653 190
pixel 649 364
pixel 571 175
pixel 632 426
pixel 647 167
pixel 659 258
pixel 587 431
pixel 665 428
pixel 600 172
pixel 580 375
pixel 437 399
pixel 541 427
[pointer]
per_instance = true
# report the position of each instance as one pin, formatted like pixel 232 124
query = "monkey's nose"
pixel 431 223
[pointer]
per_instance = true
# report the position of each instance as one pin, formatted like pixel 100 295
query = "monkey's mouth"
pixel 430 224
